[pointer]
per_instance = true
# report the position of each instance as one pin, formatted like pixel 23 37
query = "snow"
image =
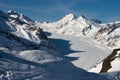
pixel 109 35
pixel 115 63
pixel 71 25
pixel 112 75
pixel 84 50
pixel 68 17
pixel 17 68
pixel 38 56
pixel 96 68
pixel 27 54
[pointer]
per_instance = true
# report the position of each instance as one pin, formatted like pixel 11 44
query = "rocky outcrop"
pixel 107 62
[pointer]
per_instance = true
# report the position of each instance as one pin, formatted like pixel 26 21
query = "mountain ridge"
pixel 81 26
pixel 70 25
pixel 27 53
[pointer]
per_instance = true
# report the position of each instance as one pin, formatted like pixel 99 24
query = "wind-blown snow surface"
pixel 27 54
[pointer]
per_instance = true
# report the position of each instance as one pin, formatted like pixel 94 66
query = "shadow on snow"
pixel 63 47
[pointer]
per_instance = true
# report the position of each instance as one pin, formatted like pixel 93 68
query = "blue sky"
pixel 52 10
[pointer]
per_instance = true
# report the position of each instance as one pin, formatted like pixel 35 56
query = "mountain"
pixel 109 34
pixel 102 36
pixel 27 54
pixel 18 33
pixel 22 30
pixel 72 25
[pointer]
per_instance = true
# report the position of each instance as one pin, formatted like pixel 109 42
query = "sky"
pixel 53 10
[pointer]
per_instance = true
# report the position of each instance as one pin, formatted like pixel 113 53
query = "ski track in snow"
pixel 82 52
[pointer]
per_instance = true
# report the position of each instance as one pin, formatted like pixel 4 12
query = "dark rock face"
pixel 107 62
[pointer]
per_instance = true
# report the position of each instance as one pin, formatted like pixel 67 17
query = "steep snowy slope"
pixel 23 31
pixel 109 34
pixel 72 25
pixel 18 34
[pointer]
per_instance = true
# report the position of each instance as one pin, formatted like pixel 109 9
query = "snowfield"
pixel 84 51
pixel 38 56
pixel 15 68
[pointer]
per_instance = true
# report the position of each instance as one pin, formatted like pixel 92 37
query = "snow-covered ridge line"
pixel 107 34
pixel 21 33
pixel 72 25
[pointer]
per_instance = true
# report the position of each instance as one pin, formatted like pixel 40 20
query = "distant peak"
pixel 69 17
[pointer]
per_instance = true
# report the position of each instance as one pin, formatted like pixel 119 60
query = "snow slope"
pixel 109 34
pixel 21 30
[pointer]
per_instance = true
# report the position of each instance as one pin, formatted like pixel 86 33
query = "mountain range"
pixel 58 50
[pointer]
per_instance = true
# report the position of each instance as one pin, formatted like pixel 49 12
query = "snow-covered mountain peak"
pixel 19 16
pixel 71 17
pixel 82 17
pixel 21 32
pixel 72 25
pixel 68 17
